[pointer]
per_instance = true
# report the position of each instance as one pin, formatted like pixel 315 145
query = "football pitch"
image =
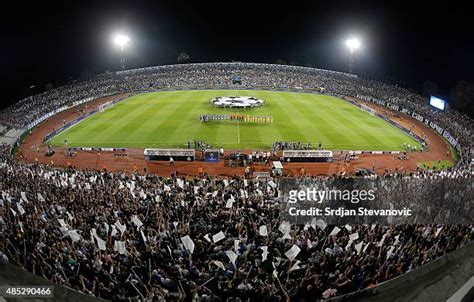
pixel 171 119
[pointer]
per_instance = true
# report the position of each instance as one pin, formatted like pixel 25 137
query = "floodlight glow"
pixel 120 40
pixel 353 44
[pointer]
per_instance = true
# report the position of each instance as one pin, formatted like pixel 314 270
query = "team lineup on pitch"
pixel 171 119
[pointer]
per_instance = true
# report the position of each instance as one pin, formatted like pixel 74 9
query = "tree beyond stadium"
pixel 171 119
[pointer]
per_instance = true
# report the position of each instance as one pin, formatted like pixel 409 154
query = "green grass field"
pixel 170 119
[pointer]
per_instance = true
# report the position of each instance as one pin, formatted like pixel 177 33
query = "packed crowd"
pixel 120 236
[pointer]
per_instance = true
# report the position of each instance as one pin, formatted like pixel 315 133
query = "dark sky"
pixel 48 41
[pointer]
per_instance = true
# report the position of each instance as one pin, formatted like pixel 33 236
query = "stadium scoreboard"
pixel 438 103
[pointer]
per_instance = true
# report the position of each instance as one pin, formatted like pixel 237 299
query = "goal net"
pixel 368 109
pixel 104 106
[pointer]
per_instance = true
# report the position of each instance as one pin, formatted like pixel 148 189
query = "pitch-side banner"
pixel 381 201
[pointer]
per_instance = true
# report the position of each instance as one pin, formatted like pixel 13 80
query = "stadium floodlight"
pixel 353 44
pixel 121 40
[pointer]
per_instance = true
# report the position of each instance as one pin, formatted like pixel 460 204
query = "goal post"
pixel 371 111
pixel 106 105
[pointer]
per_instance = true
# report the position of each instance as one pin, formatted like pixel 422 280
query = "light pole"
pixel 353 45
pixel 121 40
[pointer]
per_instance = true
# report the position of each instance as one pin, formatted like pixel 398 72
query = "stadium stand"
pixel 119 236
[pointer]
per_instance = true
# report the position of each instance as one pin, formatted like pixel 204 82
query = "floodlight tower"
pixel 121 40
pixel 353 44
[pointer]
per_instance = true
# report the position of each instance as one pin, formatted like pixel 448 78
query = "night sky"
pixel 47 42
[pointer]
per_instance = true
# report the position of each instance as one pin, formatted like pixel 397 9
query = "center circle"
pixel 237 102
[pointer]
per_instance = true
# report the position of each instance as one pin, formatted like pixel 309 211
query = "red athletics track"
pixel 33 149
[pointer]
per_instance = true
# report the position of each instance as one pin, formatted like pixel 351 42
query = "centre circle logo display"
pixel 237 102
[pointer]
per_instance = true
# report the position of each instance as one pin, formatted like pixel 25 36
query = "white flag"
pixel 114 231
pixel 219 264
pixel 23 196
pixel 390 251
pixel 236 245
pixel 62 223
pixel 100 243
pixel 396 240
pixel 295 266
pixel 74 235
pixel 119 246
pixel 229 202
pixel 293 252
pixel 358 247
pixel 284 227
pixel 218 237
pixel 20 208
pixel 69 216
pixel 137 221
pixel 438 231
pixel 93 233
pixel 142 194
pixel 348 227
pixel 348 245
pixel 354 236
pixel 265 252
pixel 188 243
pixel 335 231
pixel 40 197
pixel 232 256
pixel 426 232
pixel 121 227
pixel 263 230
pixel 207 238
pixel 107 228
pixel 64 231
pixel 382 241
pixel 180 182
pixel 321 224
pixel 366 247
pixel 143 236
